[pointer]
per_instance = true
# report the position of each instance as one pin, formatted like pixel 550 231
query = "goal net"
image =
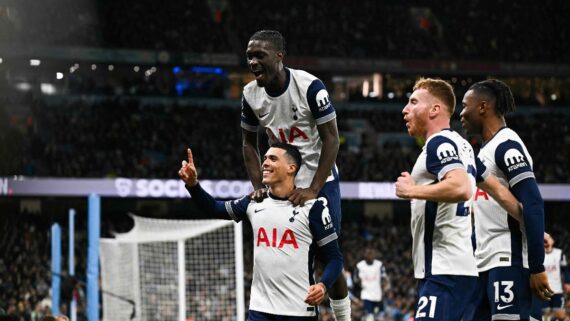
pixel 173 270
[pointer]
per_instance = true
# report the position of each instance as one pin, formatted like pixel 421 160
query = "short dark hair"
pixel 272 36
pixel 292 152
pixel 498 92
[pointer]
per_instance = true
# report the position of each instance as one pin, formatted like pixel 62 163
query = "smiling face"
pixel 470 115
pixel 416 112
pixel 277 166
pixel 264 61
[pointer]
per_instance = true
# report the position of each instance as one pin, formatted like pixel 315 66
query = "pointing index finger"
pixel 190 157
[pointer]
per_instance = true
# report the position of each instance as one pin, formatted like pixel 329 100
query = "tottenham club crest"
pixel 292 218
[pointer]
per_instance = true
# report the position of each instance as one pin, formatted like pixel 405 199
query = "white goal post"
pixel 174 270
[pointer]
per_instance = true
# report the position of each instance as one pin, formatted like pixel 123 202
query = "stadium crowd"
pixel 127 138
pixel 406 30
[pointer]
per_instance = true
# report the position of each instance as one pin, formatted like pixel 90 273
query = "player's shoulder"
pixel 251 89
pixel 505 134
pixel 360 263
pixel 305 81
pixel 444 140
pixel 302 76
pixel 451 134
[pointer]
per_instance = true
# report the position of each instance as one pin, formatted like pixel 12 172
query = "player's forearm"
pixel 329 151
pixel 454 188
pixel 334 263
pixel 252 164
pixel 503 196
pixel 206 202
pixel 533 214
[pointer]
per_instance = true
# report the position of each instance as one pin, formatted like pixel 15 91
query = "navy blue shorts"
pixel 444 297
pixel 262 316
pixel 538 305
pixel 503 293
pixel 331 191
pixel 373 307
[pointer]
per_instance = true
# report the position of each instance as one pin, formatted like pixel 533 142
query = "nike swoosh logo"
pixel 263 115
pixel 258 210
pixel 499 307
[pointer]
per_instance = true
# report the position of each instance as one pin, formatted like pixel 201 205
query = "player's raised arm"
pixel 231 210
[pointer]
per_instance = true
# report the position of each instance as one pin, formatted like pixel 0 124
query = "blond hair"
pixel 440 89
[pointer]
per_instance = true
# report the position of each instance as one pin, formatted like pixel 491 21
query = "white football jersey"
pixel 553 263
pixel 291 117
pixel 501 241
pixel 283 251
pixel 370 276
pixel 442 231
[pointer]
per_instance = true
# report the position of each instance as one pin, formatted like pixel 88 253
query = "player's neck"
pixel 491 127
pixel 277 85
pixel 436 126
pixel 282 189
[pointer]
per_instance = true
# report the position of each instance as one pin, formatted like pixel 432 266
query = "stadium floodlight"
pixel 174 270
pixel 35 62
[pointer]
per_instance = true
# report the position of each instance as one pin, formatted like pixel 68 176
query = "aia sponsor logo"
pixel 275 240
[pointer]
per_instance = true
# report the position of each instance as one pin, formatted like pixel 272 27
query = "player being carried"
pixel 294 107
pixel 285 238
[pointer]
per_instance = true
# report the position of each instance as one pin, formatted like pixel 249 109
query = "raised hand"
pixel 188 171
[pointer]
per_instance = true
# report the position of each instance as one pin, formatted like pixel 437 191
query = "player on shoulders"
pixel 293 107
pixel 285 239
